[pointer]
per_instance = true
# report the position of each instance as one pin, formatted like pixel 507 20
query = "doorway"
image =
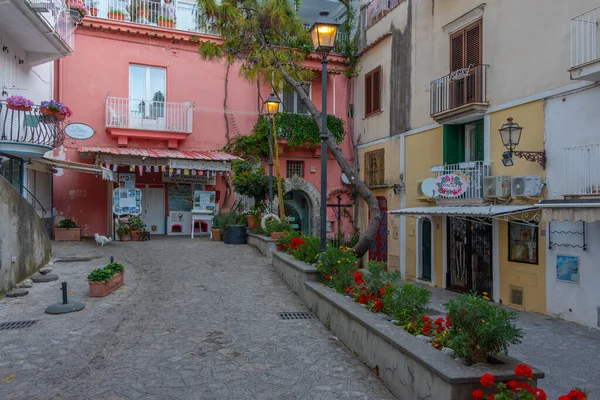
pixel 425 249
pixel 153 208
pixel 298 209
pixel 470 255
pixel 378 250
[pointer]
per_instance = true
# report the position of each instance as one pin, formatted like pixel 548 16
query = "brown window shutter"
pixel 368 94
pixel 473 45
pixel 377 90
pixel 456 51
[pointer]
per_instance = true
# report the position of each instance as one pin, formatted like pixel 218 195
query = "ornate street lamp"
pixel 272 107
pixel 323 33
pixel 510 133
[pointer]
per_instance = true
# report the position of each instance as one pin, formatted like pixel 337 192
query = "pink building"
pixel 157 110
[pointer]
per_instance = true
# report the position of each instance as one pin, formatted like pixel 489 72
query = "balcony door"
pixel 147 97
pixel 465 52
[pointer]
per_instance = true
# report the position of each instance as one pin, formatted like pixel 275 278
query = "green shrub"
pixel 67 223
pixel 286 239
pixel 480 329
pixel 378 276
pixel 104 274
pixel 277 226
pixel 308 251
pixel 336 267
pixel 136 223
pixel 406 303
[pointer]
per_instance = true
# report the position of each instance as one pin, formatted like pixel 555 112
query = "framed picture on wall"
pixel 522 243
pixel 567 268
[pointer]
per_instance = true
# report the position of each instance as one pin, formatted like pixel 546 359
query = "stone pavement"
pixel 195 320
pixel 568 353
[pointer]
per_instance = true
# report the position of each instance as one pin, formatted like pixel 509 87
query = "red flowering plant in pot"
pixel 521 389
pixel 19 103
pixel 284 242
pixel 336 268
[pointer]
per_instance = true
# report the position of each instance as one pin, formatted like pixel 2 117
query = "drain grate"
pixel 17 324
pixel 294 315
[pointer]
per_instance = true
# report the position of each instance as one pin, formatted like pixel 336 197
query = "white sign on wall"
pixel 200 179
pixel 79 131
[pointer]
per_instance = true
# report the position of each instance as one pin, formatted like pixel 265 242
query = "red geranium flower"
pixel 296 243
pixel 382 291
pixel 540 394
pixel 487 380
pixel 425 318
pixel 574 395
pixel 512 385
pixel 427 328
pixel 378 305
pixel 492 397
pixel 362 299
pixel 477 395
pixel 439 321
pixel 524 370
pixel 347 290
pixel 358 278
pixel 448 321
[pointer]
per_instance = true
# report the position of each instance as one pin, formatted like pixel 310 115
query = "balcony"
pixel 471 173
pixel 582 171
pixel 42 28
pixel 460 96
pixel 585 64
pixel 377 9
pixel 132 118
pixel 180 15
pixel 28 134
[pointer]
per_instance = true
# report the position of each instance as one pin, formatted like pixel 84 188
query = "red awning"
pixel 160 153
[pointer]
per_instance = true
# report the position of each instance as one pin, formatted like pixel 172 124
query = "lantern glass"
pixel 324 32
pixel 510 133
pixel 272 104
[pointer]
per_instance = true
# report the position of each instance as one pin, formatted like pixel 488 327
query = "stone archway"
pixel 313 196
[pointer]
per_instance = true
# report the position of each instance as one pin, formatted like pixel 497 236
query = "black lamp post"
pixel 510 133
pixel 323 33
pixel 272 106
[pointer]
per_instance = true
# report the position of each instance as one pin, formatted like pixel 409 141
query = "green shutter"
pixel 454 144
pixel 479 141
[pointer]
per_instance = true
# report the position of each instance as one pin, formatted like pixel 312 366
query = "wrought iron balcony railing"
pixel 584 37
pixel 472 172
pixel 582 171
pixel 57 16
pixel 149 115
pixel 178 14
pixel 378 9
pixel 459 88
pixel 29 127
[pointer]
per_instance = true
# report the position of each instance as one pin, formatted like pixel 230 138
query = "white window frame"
pixel 296 99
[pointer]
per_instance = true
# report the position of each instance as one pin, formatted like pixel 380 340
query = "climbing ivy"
pixel 298 129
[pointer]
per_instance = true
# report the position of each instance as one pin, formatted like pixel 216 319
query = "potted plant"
pixel 19 103
pixel 102 281
pixel 166 22
pixel 136 226
pixel 117 14
pixel 67 230
pixel 216 227
pixel 93 8
pixel 254 213
pixel 77 8
pixel 277 229
pixel 123 230
pixel 55 109
pixel 138 10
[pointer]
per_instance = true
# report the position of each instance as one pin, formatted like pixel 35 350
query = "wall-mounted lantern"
pixel 510 133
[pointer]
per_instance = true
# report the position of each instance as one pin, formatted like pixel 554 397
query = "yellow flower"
pixel 403 279
pixel 338 261
pixel 483 321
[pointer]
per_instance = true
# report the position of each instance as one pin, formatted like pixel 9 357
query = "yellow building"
pixel 437 82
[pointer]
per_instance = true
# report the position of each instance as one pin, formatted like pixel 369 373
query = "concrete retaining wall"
pixel 411 369
pixel 22 235
pixel 265 244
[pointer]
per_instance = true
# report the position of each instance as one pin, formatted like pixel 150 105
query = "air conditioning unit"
pixel 526 186
pixel 496 186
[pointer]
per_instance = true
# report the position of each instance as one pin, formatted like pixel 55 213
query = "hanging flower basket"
pixel 19 103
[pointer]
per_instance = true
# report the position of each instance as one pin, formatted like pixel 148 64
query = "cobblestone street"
pixel 195 320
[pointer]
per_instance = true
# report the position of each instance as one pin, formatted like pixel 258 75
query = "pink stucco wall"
pixel 100 68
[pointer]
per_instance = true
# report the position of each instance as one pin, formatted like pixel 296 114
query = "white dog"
pixel 101 240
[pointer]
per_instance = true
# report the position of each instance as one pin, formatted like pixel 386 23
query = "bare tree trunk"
pixel 369 234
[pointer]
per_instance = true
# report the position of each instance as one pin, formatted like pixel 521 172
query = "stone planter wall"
pixel 410 368
pixel 264 244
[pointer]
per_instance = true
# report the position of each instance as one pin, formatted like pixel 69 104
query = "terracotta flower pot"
pixel 277 235
pixel 251 220
pixel 18 108
pixel 67 234
pixel 143 12
pixel 166 24
pixel 101 289
pixel 135 235
pixel 93 11
pixel 117 16
pixel 216 235
pixel 124 238
pixel 53 113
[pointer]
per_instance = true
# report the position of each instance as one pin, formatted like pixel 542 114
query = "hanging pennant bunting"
pixel 186 171
pixel 165 168
pixel 148 168
pixel 141 168
pixel 221 173
pixel 200 173
pixel 193 172
pixel 115 167
pixel 178 171
pixel 107 165
pixel 156 168
pixel 132 168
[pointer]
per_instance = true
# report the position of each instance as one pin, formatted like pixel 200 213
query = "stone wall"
pixel 22 235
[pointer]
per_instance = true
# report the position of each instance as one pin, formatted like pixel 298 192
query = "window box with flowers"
pixel 53 111
pixel 19 103
pixel 103 281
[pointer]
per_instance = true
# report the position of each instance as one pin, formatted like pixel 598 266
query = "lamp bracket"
pixel 532 156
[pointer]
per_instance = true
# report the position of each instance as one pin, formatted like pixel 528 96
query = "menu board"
pixel 204 200
pixel 127 201
pixel 180 197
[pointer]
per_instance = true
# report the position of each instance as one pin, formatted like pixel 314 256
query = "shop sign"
pixel 451 185
pixel 79 131
pixel 191 179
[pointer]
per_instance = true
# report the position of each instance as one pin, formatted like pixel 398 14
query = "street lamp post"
pixel 510 133
pixel 272 106
pixel 323 33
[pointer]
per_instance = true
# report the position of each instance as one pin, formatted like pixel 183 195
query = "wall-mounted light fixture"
pixel 510 133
